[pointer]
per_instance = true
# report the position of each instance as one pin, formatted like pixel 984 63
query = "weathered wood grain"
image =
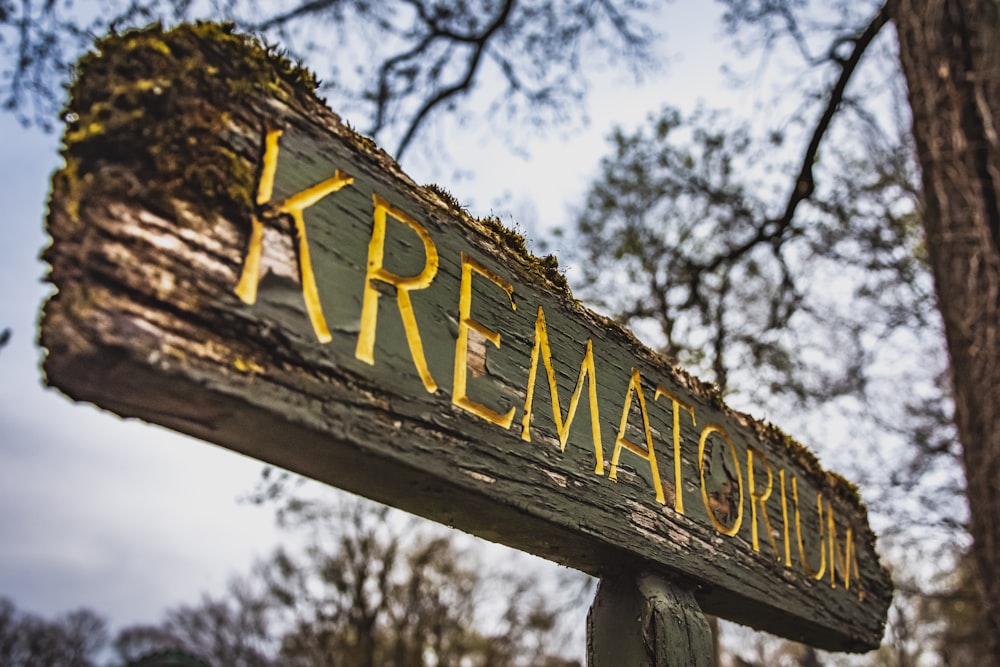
pixel 154 219
pixel 647 621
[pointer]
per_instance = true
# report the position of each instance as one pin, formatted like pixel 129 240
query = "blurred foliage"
pixel 370 588
pixel 394 65
pixel 75 639
pixel 381 589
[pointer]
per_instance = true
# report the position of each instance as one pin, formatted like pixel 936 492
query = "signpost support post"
pixel 647 621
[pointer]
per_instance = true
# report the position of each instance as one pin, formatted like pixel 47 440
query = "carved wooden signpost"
pixel 234 262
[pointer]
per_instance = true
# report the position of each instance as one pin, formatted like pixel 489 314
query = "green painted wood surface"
pixel 151 221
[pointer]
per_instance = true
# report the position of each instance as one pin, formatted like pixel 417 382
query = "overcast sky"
pixel 127 518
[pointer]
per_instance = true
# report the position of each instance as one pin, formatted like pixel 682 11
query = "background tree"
pixel 821 285
pixel 369 588
pixel 376 588
pixel 235 630
pixel 410 59
pixel 952 65
pixel 947 55
pixel 72 640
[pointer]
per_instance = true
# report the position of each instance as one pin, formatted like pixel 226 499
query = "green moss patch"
pixel 156 100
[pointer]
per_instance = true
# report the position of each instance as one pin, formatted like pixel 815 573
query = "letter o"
pixel 728 531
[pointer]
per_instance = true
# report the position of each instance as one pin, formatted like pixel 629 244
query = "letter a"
pixel 621 442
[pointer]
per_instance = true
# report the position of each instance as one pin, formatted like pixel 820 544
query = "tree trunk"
pixel 950 53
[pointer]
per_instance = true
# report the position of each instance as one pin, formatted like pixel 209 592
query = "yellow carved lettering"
pixel 541 349
pixel 728 531
pixel 817 574
pixel 845 558
pixel 784 520
pixel 466 324
pixel 246 288
pixel 621 442
pixel 676 404
pixel 759 500
pixel 365 350
pixel 269 167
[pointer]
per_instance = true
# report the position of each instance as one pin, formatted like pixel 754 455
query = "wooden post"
pixel 647 621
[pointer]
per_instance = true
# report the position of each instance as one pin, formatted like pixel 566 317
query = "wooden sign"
pixel 234 262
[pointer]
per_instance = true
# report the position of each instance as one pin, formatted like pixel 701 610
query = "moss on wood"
pixel 153 101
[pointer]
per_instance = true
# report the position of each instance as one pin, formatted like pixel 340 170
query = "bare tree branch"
pixel 805 182
pixel 479 43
